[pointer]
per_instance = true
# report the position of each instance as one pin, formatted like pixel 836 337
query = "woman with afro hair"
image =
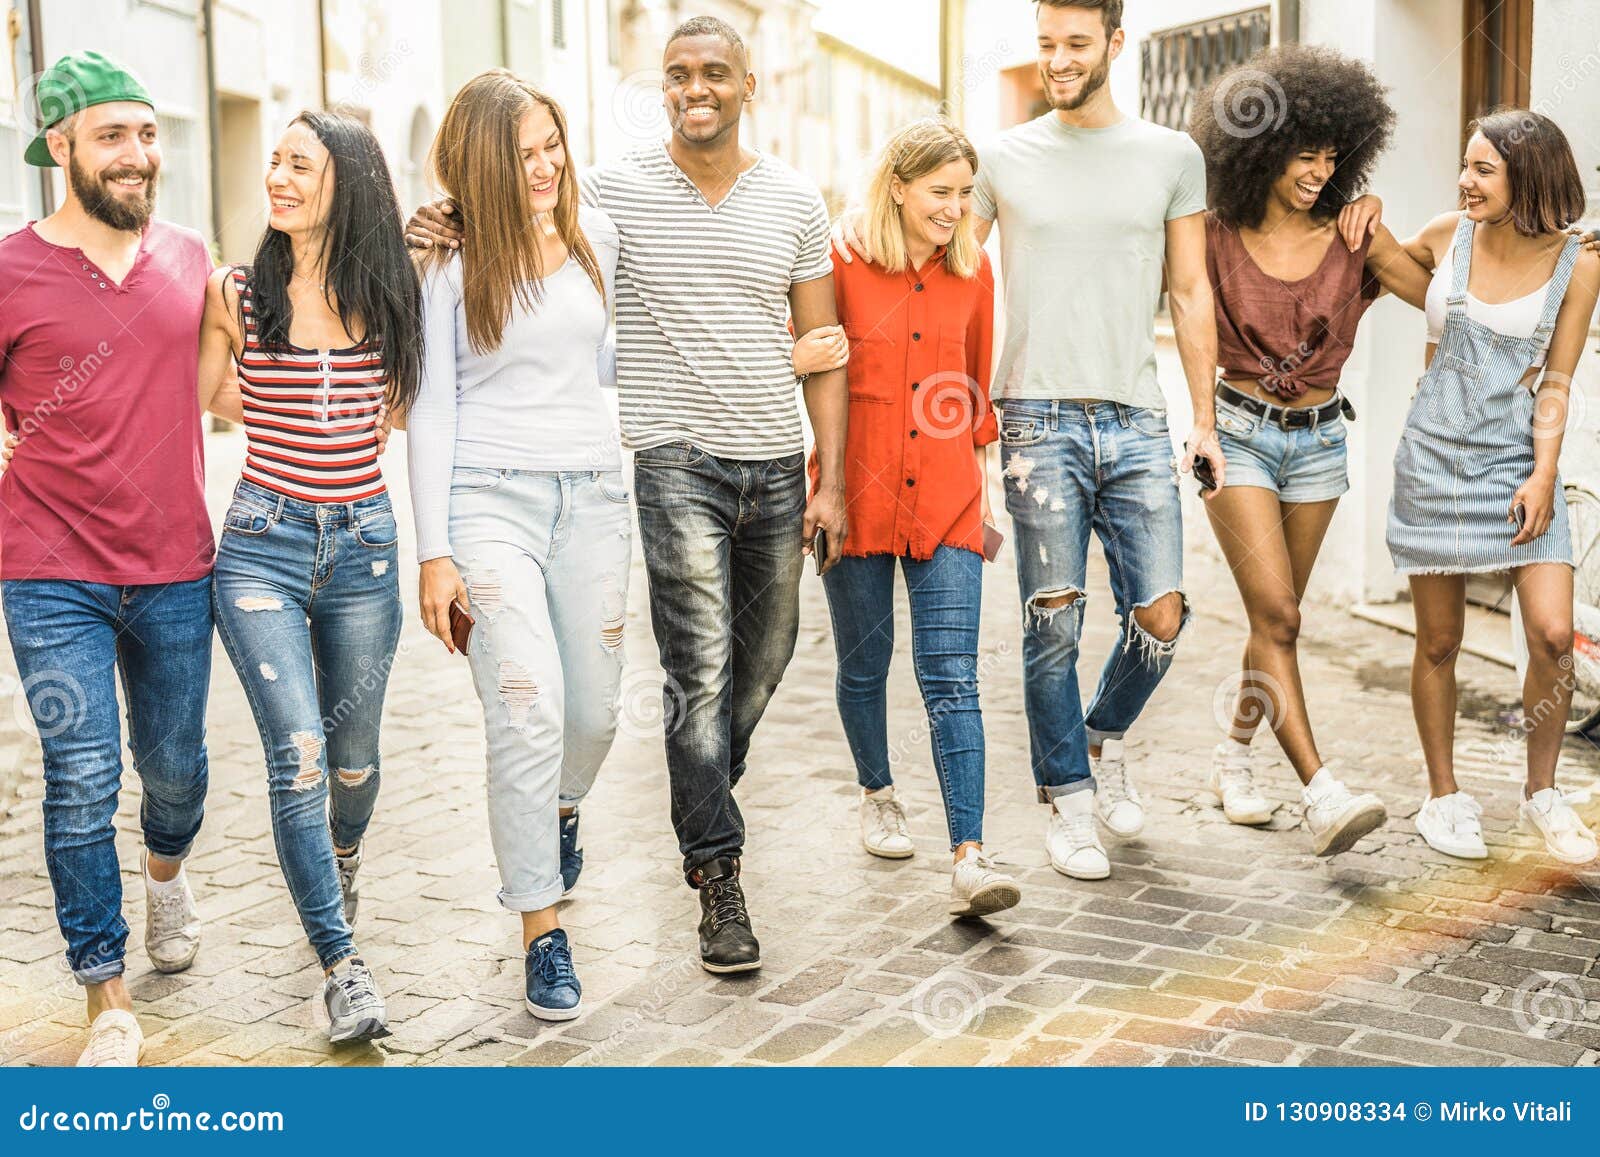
pixel 1295 259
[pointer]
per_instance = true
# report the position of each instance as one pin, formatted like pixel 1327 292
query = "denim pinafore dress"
pixel 1468 441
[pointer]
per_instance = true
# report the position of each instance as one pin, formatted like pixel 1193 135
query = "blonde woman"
pixel 917 333
pixel 522 515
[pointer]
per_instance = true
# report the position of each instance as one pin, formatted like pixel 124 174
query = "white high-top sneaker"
pixel 171 923
pixel 1117 801
pixel 1074 845
pixel 1449 824
pixel 1233 784
pixel 1566 837
pixel 883 825
pixel 115 1040
pixel 978 888
pixel 1335 818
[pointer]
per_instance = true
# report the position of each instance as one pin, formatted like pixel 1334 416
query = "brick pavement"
pixel 1210 945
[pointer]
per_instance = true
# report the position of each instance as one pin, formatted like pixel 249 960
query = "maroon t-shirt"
pixel 108 485
pixel 1290 336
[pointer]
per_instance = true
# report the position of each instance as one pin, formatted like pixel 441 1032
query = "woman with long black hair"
pixel 325 327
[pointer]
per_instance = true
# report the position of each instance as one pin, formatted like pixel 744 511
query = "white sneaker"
pixel 1117 801
pixel 978 888
pixel 1231 782
pixel 1565 835
pixel 1074 846
pixel 1335 818
pixel 115 1041
pixel 883 825
pixel 1449 824
pixel 171 924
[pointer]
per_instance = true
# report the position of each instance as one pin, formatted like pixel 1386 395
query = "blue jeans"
pixel 1073 467
pixel 722 548
pixel 308 607
pixel 945 593
pixel 545 559
pixel 71 641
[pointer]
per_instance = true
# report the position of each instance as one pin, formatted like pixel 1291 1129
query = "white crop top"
pixel 1516 318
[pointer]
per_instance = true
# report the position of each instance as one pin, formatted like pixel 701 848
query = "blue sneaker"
pixel 553 989
pixel 571 854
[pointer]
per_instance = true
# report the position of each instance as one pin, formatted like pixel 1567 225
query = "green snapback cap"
pixel 78 81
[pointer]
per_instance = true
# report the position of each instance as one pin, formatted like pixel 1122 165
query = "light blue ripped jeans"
pixel 1073 467
pixel 545 559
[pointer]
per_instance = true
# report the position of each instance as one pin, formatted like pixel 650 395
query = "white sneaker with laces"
pixel 1233 784
pixel 1335 818
pixel 883 825
pixel 115 1041
pixel 1449 824
pixel 1074 845
pixel 1117 801
pixel 1566 837
pixel 978 888
pixel 171 923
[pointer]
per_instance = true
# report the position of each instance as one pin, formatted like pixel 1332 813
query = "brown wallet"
pixel 460 626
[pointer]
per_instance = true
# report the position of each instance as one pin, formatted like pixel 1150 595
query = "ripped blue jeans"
pixel 1073 467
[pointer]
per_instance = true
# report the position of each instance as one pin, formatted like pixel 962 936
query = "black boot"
pixel 726 942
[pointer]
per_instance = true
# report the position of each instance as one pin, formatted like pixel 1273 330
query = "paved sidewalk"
pixel 1211 944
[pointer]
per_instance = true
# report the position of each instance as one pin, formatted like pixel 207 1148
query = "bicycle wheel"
pixel 1583 510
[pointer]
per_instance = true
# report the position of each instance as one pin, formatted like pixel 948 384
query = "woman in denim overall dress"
pixel 1476 488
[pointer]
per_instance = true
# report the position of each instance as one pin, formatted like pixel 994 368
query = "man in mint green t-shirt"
pixel 1094 207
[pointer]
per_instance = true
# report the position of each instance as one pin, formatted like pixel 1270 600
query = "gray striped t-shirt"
pixel 702 306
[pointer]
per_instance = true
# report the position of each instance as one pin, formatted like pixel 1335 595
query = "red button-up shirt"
pixel 920 349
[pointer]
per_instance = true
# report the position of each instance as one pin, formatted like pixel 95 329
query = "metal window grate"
pixel 184 179
pixel 558 23
pixel 12 180
pixel 1176 64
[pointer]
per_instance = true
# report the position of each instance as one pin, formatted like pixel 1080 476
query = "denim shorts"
pixel 1303 465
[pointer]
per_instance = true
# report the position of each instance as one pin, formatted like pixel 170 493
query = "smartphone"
pixel 1204 475
pixel 460 627
pixel 1519 513
pixel 819 547
pixel 993 540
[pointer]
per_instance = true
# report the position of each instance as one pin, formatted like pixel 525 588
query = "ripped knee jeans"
pixel 1072 468
pixel 307 602
pixel 545 559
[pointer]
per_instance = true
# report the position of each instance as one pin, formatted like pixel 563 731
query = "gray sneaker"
pixel 355 1007
pixel 348 888
pixel 171 924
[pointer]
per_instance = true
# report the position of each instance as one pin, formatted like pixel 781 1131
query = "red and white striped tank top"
pixel 310 416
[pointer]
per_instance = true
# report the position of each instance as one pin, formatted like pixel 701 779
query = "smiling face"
pixel 112 156
pixel 544 156
pixel 1484 185
pixel 704 87
pixel 1303 179
pixel 1074 54
pixel 299 182
pixel 933 205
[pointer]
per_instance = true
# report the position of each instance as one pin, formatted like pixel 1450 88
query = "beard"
pixel 1092 84
pixel 101 200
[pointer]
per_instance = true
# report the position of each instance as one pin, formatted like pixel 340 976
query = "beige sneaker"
pixel 978 888
pixel 1335 817
pixel 1566 837
pixel 1074 846
pixel 171 923
pixel 883 825
pixel 1234 787
pixel 115 1041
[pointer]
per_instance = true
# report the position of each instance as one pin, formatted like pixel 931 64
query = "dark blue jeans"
pixel 71 641
pixel 308 606
pixel 722 548
pixel 945 593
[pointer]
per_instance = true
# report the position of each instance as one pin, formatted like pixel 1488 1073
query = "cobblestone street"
pixel 1210 944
